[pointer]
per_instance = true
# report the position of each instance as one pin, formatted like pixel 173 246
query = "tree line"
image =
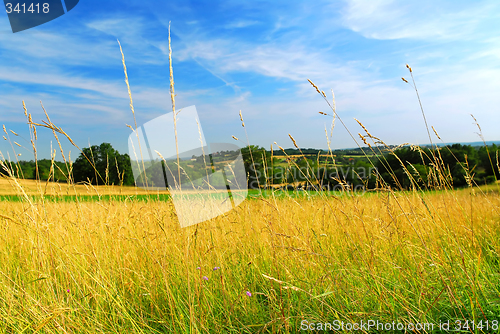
pixel 98 164
pixel 400 168
pixel 456 164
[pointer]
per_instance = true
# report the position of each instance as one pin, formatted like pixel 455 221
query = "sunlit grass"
pixel 115 266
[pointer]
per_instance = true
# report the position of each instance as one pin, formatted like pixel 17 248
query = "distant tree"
pixel 488 162
pixel 43 169
pixel 257 164
pixel 103 157
pixel 454 162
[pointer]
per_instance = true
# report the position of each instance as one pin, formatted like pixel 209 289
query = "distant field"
pixel 32 187
pixel 62 192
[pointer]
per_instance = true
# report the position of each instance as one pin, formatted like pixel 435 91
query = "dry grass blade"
pixel 54 128
pixel 293 140
pixel 291 287
pixel 172 98
pixel 133 114
pixel 435 132
pixel 316 87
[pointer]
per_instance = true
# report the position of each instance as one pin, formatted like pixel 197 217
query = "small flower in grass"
pixel 216 268
pixel 67 290
pixel 199 268
pixel 249 294
pixel 205 278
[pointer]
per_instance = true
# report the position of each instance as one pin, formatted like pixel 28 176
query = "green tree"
pixel 458 159
pixel 488 163
pixel 255 159
pixel 104 158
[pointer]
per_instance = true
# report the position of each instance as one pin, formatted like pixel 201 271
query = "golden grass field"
pixel 127 266
pixel 32 187
pixel 275 264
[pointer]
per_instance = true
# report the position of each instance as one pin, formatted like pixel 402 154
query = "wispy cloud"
pixel 389 19
pixel 241 24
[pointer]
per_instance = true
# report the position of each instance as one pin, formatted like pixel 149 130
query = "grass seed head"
pixel 334 107
pixel 241 119
pixel 25 110
pixel 363 139
pixel 281 148
pixel 293 140
pixel 312 83
pixel 435 132
pixel 366 130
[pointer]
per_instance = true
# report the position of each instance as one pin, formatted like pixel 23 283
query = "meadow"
pixel 126 266
pixel 111 259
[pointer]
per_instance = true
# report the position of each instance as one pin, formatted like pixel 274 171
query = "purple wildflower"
pixel 205 278
pixel 216 268
pixel 67 290
pixel 249 294
pixel 199 268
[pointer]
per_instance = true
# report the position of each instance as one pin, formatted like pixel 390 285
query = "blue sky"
pixel 256 57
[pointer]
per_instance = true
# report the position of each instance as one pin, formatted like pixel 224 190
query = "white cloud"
pixel 390 19
pixel 291 62
pixel 241 24
pixel 21 75
pixel 55 48
pixel 361 90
